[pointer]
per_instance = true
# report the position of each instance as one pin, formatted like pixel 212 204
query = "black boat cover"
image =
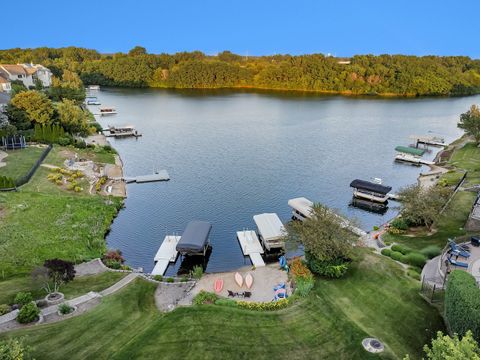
pixel 195 237
pixel 367 185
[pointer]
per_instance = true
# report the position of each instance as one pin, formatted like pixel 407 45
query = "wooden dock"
pixel 428 140
pixel 412 159
pixel 166 254
pixel 251 246
pixel 161 175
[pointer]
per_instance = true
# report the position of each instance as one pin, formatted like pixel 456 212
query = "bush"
pixel 205 297
pixel 395 255
pixel 416 259
pixel 23 298
pixel 413 274
pixel 65 309
pixel 184 279
pixel 298 269
pixel 462 301
pixel 80 144
pixel 112 264
pixel 399 223
pixel 386 252
pixel 158 277
pixel 63 141
pixel 431 251
pixel 13 349
pixel 28 313
pixel 197 272
pixel 170 280
pixel 264 306
pixel 304 285
pixel 4 309
pixel 333 269
pixel 226 302
pixel 400 248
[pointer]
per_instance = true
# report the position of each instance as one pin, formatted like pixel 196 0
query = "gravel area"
pixel 170 295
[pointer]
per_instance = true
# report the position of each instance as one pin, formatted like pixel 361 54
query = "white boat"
pixel 301 208
pixel 271 230
pixel 94 87
pixel 93 102
pixel 107 111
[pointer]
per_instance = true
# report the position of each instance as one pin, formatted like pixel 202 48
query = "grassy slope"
pixel 79 286
pixel 466 158
pixel 19 162
pixel 43 221
pixel 374 299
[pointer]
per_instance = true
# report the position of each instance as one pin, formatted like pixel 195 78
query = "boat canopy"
pixel 410 150
pixel 369 186
pixel 302 205
pixel 269 226
pixel 195 237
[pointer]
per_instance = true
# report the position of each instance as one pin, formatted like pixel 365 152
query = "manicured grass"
pixel 39 226
pixel 19 162
pixel 374 299
pixel 79 286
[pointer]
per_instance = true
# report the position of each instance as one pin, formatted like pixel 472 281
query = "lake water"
pixel 232 155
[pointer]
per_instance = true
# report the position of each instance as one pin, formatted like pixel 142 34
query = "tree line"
pixel 396 75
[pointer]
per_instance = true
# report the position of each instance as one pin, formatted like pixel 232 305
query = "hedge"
pixel 400 248
pixel 416 259
pixel 431 251
pixel 462 304
pixel 6 182
pixel 386 252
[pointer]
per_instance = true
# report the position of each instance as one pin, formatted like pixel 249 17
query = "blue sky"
pixel 342 28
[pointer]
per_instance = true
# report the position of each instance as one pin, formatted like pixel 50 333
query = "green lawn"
pixel 79 286
pixel 19 162
pixel 59 153
pixel 374 299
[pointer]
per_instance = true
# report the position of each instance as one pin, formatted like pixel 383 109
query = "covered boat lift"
pixel 270 230
pixel 194 240
pixel 301 208
pixel 410 150
pixel 370 191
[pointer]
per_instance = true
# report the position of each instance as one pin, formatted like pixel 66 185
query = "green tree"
pixel 137 50
pixel 445 347
pixel 37 106
pixel 422 206
pixel 327 240
pixel 470 122
pixel 72 117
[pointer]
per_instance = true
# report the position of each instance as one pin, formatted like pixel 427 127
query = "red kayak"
pixel 218 285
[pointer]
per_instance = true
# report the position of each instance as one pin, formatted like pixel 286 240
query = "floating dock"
pixel 166 254
pixel 161 175
pixel 402 157
pixel 125 131
pixel 428 140
pixel 251 246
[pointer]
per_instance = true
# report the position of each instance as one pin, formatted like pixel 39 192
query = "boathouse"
pixel 301 208
pixel 370 191
pixel 194 240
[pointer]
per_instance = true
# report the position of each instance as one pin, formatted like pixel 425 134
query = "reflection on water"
pixel 232 155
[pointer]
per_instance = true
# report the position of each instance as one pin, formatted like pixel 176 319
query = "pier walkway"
pixel 251 247
pixel 161 175
pixel 166 254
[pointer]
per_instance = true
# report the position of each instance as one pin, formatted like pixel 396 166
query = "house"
pixel 5 84
pixel 27 74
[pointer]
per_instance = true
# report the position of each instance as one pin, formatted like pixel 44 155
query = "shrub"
pixel 298 269
pixel 13 349
pixel 158 277
pixel 386 252
pixel 65 309
pixel 112 264
pixel 113 259
pixel 205 297
pixel 400 248
pixel 197 272
pixel 80 144
pixel 63 141
pixel 226 302
pixel 396 255
pixel 416 259
pixel 413 274
pixel 399 223
pixel 304 285
pixel 184 279
pixel 376 228
pixel 23 298
pixel 462 301
pixel 4 308
pixel 431 251
pixel 170 280
pixel 333 269
pixel 28 313
pixel 264 306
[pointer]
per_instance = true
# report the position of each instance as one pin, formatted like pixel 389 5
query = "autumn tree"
pixel 470 122
pixel 38 108
pixel 70 86
pixel 446 347
pixel 73 119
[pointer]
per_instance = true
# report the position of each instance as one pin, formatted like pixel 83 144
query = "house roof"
pixel 14 69
pixel 3 80
pixel 30 70
pixel 367 185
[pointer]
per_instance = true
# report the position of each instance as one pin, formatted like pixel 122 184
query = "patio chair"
pixel 247 294
pixel 457 250
pixel 457 263
pixel 231 293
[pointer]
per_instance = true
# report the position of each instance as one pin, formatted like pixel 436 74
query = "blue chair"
pixel 457 263
pixel 457 250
